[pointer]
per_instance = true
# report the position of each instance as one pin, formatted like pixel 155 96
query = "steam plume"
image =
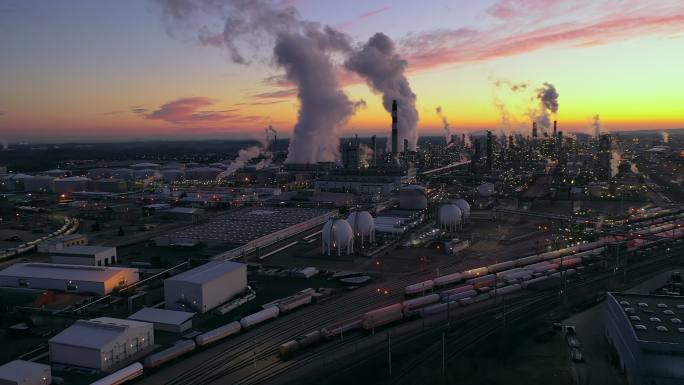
pixel 548 105
pixel 597 125
pixel 367 155
pixel 666 137
pixel 244 156
pixel 615 158
pixel 301 48
pixel 445 123
pixel 379 63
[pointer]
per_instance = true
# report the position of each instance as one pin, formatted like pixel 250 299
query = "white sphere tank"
pixel 450 217
pixel 413 197
pixel 337 234
pixel 464 206
pixel 485 190
pixel 362 224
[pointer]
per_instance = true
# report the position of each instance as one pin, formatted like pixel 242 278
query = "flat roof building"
pixel 205 287
pixel 173 321
pixel 62 242
pixel 648 335
pixel 68 278
pixel 19 372
pixel 86 255
pixel 102 343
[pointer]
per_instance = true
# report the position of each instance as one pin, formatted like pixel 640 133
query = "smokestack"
pixel 554 128
pixel 405 146
pixel 534 129
pixel 374 146
pixel 490 151
pixel 395 132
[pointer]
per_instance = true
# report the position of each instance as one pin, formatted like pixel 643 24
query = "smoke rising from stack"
pixel 379 63
pixel 445 124
pixel 666 137
pixel 244 156
pixel 615 158
pixel 302 49
pixel 597 125
pixel 366 155
pixel 548 105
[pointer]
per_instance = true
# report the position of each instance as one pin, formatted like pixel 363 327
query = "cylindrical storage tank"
pixel 202 173
pixel 448 279
pixel 363 225
pixel 411 304
pixel 528 260
pixel 383 316
pixel 337 234
pixel 169 354
pixel 342 327
pixel 419 287
pixel 259 317
pixel 171 175
pixel 122 375
pixel 218 333
pixel 310 339
pixel 412 197
pixel 288 348
pixel 449 217
pixel 456 290
pixel 71 184
pixel 507 290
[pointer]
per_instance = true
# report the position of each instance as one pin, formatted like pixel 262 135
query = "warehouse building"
pixel 62 242
pixel 205 287
pixel 647 333
pixel 19 372
pixel 68 278
pixel 165 320
pixel 86 255
pixel 102 343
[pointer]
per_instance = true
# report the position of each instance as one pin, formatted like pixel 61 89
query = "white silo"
pixel 363 225
pixel 465 208
pixel 337 234
pixel 450 217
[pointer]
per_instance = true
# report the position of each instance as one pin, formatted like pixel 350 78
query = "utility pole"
pixel 443 355
pixel 389 353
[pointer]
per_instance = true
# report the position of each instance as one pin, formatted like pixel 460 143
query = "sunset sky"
pixel 84 70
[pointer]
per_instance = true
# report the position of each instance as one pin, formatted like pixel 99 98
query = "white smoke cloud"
pixel 548 105
pixel 244 156
pixel 666 136
pixel 367 155
pixel 445 124
pixel 615 158
pixel 301 48
pixel 597 125
pixel 379 63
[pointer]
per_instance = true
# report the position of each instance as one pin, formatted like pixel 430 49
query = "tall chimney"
pixel 554 128
pixel 490 151
pixel 374 147
pixel 534 129
pixel 395 131
pixel 405 146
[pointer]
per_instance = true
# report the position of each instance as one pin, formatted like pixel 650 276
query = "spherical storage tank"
pixel 464 206
pixel 413 197
pixel 449 217
pixel 337 234
pixel 362 224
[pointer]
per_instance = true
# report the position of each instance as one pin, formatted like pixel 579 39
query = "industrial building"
pixel 71 184
pixel 190 214
pixel 68 278
pixel 365 181
pixel 40 183
pixel 205 287
pixel 173 321
pixel 86 255
pixel 101 343
pixel 62 242
pixel 647 333
pixel 20 372
pixel 246 229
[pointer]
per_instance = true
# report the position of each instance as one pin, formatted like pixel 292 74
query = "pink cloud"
pixel 348 24
pixel 280 94
pixel 442 47
pixel 188 110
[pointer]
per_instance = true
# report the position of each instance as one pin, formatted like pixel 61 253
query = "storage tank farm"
pixel 337 236
pixel 363 226
pixel 450 217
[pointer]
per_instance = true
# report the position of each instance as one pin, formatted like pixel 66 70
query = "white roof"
pixel 86 250
pixel 96 333
pixel 60 271
pixel 162 316
pixel 207 272
pixel 20 370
